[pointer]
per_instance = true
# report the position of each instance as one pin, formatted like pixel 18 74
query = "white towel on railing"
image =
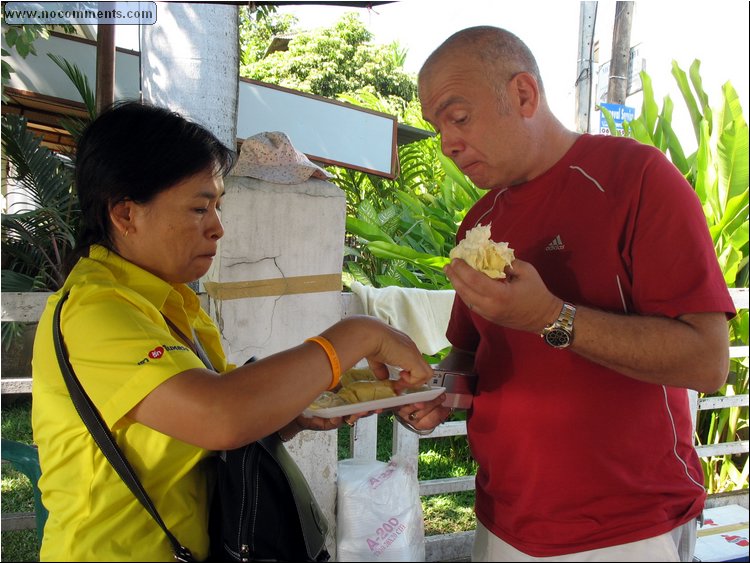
pixel 423 314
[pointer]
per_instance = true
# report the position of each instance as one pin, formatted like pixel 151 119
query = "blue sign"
pixel 619 114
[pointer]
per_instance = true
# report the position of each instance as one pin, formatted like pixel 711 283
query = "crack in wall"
pixel 216 305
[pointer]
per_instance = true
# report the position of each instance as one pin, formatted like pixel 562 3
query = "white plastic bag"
pixel 379 512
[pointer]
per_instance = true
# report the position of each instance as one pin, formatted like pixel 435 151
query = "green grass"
pixel 16 419
pixel 20 545
pixel 17 494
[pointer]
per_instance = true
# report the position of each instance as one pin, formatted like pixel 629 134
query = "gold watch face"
pixel 558 338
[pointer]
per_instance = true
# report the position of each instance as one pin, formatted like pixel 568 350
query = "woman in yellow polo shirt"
pixel 150 185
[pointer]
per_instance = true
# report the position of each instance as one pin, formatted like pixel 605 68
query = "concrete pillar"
pixel 276 281
pixel 190 64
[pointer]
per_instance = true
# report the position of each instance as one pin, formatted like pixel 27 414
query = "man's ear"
pixel 526 89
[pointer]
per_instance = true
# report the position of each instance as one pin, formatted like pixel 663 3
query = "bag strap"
pixel 103 438
pixel 193 343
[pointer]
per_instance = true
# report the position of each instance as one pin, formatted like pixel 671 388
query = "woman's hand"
pixel 314 423
pixel 382 345
pixel 303 422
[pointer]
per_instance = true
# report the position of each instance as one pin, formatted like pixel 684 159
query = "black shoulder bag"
pixel 263 508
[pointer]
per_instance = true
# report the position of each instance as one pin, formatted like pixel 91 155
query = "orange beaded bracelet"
pixel 332 357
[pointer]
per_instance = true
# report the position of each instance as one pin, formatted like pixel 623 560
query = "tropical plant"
pixel 38 231
pixel 410 238
pixel 717 170
pixel 21 38
pixel 37 237
pixel 399 231
pixel 326 62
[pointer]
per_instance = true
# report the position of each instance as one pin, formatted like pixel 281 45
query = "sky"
pixel 715 32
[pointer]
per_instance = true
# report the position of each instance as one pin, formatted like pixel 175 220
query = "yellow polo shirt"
pixel 121 349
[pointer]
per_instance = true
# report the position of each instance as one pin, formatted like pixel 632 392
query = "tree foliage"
pixel 327 61
pixel 22 38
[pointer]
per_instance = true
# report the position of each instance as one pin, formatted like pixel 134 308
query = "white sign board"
pixel 39 74
pixel 636 63
pixel 327 131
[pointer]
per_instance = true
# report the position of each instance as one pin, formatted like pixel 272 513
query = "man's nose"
pixel 450 145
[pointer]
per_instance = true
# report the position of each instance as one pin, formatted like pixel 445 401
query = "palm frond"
pixel 80 82
pixel 39 229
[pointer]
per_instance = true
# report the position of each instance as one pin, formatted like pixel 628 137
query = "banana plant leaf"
pixel 394 251
pixel 366 230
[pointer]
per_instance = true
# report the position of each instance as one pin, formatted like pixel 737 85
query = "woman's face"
pixel 175 235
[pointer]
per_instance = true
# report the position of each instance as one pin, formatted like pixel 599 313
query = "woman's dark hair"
pixel 134 151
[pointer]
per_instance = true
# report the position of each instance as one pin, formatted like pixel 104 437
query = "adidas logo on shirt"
pixel 555 244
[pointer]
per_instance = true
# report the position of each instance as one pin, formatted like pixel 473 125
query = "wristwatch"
pixel 559 334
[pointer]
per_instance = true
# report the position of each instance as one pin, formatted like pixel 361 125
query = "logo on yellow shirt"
pixel 159 351
pixel 156 353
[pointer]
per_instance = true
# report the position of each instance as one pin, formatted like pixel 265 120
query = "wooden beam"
pixel 105 67
pixel 18 521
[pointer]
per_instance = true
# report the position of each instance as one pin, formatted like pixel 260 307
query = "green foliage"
pixel 36 238
pixel 326 62
pixel 449 513
pixel 400 231
pixel 39 234
pixel 21 38
pixel 19 545
pixel 404 229
pixel 39 231
pixel 717 170
pixel 17 492
pixel 257 29
pixel 75 126
pixel 16 420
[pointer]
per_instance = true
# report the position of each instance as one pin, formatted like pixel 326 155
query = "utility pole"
pixel 585 65
pixel 618 69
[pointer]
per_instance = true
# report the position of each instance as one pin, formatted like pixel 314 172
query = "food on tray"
pixel 360 391
pixel 483 254
pixel 357 374
pixel 357 385
pixel 327 400
pixel 425 393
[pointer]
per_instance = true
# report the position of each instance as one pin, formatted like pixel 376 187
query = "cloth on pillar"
pixel 423 314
